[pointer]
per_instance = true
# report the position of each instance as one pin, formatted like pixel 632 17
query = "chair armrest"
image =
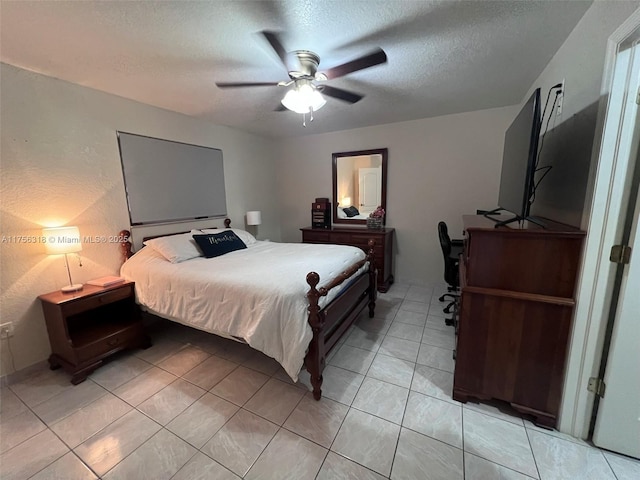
pixel 457 243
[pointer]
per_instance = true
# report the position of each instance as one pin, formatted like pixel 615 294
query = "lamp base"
pixel 72 288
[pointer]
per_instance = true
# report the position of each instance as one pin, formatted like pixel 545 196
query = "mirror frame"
pixel 384 153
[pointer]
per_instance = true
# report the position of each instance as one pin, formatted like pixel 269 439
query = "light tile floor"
pixel 194 406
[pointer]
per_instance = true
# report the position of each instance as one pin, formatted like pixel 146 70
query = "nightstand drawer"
pixel 95 347
pixel 98 300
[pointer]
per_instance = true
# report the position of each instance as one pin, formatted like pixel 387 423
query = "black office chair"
pixel 451 250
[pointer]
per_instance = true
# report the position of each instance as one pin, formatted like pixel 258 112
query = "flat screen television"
pixel 566 155
pixel 167 181
pixel 519 161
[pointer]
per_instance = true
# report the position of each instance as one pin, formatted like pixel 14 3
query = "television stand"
pixel 502 223
pixel 488 213
pixel 515 314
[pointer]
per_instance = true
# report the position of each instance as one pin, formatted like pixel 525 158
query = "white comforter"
pixel 257 294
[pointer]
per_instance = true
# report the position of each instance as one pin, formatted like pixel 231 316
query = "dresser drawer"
pixel 359 237
pixel 316 237
pixel 363 242
pixel 341 238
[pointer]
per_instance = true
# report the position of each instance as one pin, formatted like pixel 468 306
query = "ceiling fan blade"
pixel 280 108
pixel 340 94
pixel 245 84
pixel 372 59
pixel 276 44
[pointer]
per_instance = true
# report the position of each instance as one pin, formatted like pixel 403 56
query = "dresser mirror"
pixel 359 184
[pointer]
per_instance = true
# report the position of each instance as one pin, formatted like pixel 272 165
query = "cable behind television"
pixel 546 169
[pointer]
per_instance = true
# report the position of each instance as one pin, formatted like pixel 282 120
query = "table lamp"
pixel 63 240
pixel 254 218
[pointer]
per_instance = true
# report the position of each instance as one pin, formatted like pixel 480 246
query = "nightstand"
pixel 86 327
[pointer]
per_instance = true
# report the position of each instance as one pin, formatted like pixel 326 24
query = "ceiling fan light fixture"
pixel 303 98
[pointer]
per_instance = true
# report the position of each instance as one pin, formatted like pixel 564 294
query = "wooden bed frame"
pixel 329 323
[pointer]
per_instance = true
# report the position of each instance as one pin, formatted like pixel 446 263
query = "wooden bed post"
pixel 125 245
pixel 314 360
pixel 373 275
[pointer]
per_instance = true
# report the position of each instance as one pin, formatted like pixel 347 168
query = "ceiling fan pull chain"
pixel 304 120
pixel 311 114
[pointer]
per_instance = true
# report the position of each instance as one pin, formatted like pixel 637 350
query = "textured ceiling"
pixel 443 56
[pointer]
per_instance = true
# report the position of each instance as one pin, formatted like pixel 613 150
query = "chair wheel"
pixel 441 298
pixel 449 322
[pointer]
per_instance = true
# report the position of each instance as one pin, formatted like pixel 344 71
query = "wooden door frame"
pixel 605 225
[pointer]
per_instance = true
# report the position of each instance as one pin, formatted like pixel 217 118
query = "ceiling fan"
pixel 306 96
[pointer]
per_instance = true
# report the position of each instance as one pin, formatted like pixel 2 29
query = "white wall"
pixel 61 166
pixel 439 169
pixel 580 59
pixel 580 62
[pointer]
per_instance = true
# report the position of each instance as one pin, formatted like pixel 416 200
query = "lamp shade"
pixel 254 218
pixel 62 240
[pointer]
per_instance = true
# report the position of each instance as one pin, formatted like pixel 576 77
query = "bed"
pixel 358 216
pixel 290 301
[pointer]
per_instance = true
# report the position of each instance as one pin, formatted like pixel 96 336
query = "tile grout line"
pixel 48 427
pixel 535 461
pixel 281 427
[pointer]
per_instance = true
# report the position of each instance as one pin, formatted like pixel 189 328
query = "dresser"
pixel 359 237
pixel 515 314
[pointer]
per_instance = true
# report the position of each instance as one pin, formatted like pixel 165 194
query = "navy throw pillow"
pixel 351 211
pixel 216 244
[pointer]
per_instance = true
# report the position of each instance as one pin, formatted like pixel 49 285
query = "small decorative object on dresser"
pixel 86 327
pixel 321 213
pixel 375 220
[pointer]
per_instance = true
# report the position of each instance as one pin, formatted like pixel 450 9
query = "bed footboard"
pixel 331 322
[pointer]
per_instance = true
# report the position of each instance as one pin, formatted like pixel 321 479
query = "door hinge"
pixel 597 386
pixel 620 254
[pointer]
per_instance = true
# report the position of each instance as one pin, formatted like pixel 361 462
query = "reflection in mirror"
pixel 359 184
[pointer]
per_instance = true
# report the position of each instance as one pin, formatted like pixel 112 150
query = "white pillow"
pixel 245 236
pixel 176 248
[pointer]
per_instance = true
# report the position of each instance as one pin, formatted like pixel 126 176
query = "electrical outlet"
pixel 560 99
pixel 6 330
